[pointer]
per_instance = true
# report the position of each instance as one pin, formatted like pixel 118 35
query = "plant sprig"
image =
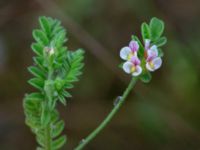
pixel 153 32
pixel 139 62
pixel 55 69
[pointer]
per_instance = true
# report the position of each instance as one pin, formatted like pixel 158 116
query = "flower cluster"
pixel 129 54
pixel 133 63
pixel 153 61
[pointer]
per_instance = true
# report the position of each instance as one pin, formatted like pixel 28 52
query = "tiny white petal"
pixel 124 52
pixel 149 67
pixel 147 43
pixel 157 63
pixel 138 71
pixel 127 67
pixel 154 49
pixel 152 53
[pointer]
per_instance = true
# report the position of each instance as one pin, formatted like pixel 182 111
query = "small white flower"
pixel 152 53
pixel 126 53
pixel 154 64
pixel 133 66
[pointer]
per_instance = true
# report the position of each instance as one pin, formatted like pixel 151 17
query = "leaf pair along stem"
pixel 54 71
pixel 109 117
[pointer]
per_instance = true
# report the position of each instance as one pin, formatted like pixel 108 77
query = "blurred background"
pixel 162 115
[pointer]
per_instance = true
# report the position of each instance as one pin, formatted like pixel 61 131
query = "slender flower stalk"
pixel 139 62
pixel 109 117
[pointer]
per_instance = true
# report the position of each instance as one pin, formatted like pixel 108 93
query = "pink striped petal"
pixel 134 46
pixel 135 60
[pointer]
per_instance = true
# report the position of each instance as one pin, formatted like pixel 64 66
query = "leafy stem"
pixel 48 127
pixel 48 138
pixel 105 122
pixel 54 71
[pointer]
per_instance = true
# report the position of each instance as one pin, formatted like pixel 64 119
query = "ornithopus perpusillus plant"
pixel 140 59
pixel 55 69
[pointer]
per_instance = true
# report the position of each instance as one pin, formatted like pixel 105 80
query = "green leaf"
pixel 146 77
pixel 37 83
pixel 57 27
pixel 58 143
pixel 57 128
pixel 32 101
pixel 161 41
pixel 156 28
pixel 71 78
pixel 36 72
pixel 34 96
pixel 39 61
pixel 145 31
pixel 54 116
pixel 74 66
pixel 45 25
pixel 62 54
pixel 59 39
pixel 62 99
pixel 68 86
pixel 37 49
pixel 66 94
pixel 40 140
pixel 31 104
pixel 40 37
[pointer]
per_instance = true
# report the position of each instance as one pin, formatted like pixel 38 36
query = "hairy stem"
pixel 48 138
pixel 48 128
pixel 105 122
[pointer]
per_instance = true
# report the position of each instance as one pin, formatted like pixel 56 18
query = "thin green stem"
pixel 48 128
pixel 105 122
pixel 48 138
